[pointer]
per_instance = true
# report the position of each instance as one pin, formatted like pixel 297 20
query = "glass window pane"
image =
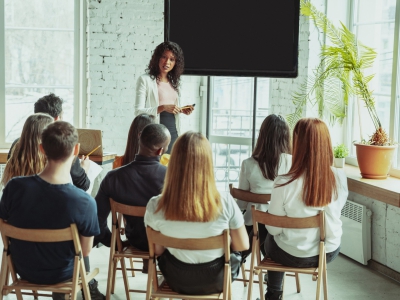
pixel 39 58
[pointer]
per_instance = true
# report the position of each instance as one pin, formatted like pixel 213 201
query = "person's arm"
pixel 142 90
pixel 244 184
pixel 151 222
pixel 79 177
pixel 103 210
pixel 239 239
pixel 85 163
pixel 86 244
pixel 276 206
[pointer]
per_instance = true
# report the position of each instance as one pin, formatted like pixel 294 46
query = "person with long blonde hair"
pixel 26 159
pixel 191 207
pixel 311 185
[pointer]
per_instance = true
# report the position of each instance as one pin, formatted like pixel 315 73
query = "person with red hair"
pixel 311 185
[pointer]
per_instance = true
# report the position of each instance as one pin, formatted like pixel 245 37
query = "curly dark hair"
pixel 174 75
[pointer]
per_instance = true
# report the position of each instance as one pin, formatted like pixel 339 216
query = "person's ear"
pixel 160 151
pixel 76 149
pixel 41 149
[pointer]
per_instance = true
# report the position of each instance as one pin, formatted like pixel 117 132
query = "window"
pixel 374 23
pixel 233 126
pixel 41 56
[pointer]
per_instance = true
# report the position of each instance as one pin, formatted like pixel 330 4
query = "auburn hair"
pixel 132 144
pixel 26 158
pixel 190 193
pixel 312 159
pixel 273 140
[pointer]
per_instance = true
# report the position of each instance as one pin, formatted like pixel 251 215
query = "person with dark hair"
pixel 48 200
pixel 311 185
pixel 271 157
pixel 134 184
pixel 52 105
pixel 157 92
pixel 132 143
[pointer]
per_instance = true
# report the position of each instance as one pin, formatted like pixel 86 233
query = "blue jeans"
pixel 273 251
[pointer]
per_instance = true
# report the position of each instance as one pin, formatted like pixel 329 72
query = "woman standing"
pixel 157 92
pixel 311 185
pixel 26 159
pixel 191 207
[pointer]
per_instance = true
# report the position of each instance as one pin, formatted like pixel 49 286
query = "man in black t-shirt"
pixel 134 184
pixel 49 201
pixel 52 105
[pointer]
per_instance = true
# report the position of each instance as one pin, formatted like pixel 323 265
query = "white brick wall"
pixel 121 38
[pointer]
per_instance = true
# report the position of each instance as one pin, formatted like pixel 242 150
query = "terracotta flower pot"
pixel 374 161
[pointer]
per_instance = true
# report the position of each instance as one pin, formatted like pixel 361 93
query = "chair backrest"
pixel 214 242
pixel 266 218
pixel 249 196
pixel 125 209
pixel 40 235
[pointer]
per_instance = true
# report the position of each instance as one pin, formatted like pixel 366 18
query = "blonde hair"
pixel 190 193
pixel 26 159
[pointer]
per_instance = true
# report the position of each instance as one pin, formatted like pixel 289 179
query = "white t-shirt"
pixel 251 179
pixel 287 201
pixel 230 218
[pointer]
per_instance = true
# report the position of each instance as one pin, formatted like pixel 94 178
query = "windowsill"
pixel 385 190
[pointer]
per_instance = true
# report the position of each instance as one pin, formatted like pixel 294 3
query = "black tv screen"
pixel 235 37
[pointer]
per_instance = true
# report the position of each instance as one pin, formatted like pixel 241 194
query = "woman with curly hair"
pixel 26 159
pixel 157 92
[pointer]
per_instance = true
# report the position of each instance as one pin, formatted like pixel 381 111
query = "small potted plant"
pixel 340 152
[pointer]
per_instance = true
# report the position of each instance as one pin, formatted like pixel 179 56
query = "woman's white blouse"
pixel 251 179
pixel 287 201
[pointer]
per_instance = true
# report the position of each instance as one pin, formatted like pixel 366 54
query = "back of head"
pixel 273 140
pixel 154 137
pixel 312 159
pixel 59 140
pixel 132 145
pixel 190 193
pixel 49 104
pixel 26 159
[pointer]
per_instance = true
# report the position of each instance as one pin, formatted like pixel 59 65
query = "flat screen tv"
pixel 235 37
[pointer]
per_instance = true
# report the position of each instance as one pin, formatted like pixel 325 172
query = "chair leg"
pixel 125 277
pixel 4 274
pixel 250 288
pixel 114 274
pixel 261 285
pixel 243 268
pixel 133 271
pixel 296 275
pixel 325 274
pixel 320 275
pixel 111 277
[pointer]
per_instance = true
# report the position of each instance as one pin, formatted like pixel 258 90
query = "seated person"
pixel 134 184
pixel 191 207
pixel 311 185
pixel 271 157
pixel 132 144
pixel 52 105
pixel 49 201
pixel 26 159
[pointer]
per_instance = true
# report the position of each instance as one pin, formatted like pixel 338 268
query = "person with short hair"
pixel 48 200
pixel 52 105
pixel 134 184
pixel 311 185
pixel 190 206
pixel 26 158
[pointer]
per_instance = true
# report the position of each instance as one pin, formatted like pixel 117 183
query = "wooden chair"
pixel 117 211
pixel 162 290
pixel 248 197
pixel 319 273
pixel 22 287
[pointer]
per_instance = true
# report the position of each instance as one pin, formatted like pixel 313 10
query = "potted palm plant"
pixel 339 75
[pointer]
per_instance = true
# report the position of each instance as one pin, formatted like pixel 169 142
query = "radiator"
pixel 356 238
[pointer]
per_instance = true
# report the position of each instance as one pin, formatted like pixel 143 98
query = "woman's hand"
pixel 172 109
pixel 187 109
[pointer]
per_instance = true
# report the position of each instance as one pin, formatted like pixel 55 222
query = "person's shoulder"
pixel 281 179
pixel 153 203
pixel 249 161
pixel 22 181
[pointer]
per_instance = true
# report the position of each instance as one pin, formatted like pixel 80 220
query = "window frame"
pixel 80 63
pixel 394 91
